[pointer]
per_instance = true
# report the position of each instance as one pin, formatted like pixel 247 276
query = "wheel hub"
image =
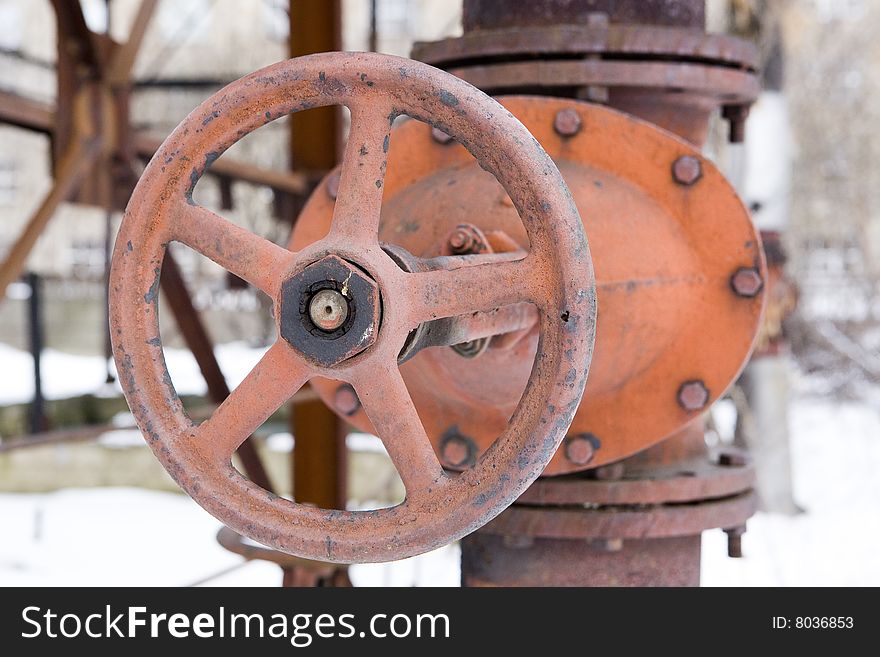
pixel 330 311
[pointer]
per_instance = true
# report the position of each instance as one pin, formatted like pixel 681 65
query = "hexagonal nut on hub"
pixel 693 395
pixel 330 311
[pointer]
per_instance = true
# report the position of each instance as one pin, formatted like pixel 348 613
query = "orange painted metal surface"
pixel 668 236
pixel 554 275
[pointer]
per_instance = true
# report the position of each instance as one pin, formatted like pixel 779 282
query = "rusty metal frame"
pixel 89 127
pixel 94 76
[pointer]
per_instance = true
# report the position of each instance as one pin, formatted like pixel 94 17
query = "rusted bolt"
pixel 746 281
pixel 461 240
pixel 567 122
pixel 346 400
pixel 467 239
pixel 734 541
pixel 328 310
pixel 693 395
pixel 580 448
pixel 457 451
pixel 440 137
pixel 610 472
pixel 472 348
pixel 333 184
pixel 607 544
pixel 517 541
pixel 733 459
pixel 687 170
pixel 736 115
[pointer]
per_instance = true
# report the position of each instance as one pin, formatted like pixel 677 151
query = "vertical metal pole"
pixel 319 463
pixel 315 26
pixel 374 33
pixel 108 245
pixel 318 470
pixel 35 325
pixel 108 251
pixel 319 456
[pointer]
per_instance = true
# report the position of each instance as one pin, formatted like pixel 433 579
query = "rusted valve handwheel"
pixel 359 344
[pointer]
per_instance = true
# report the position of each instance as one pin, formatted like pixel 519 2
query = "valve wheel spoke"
pixel 476 284
pixel 362 178
pixel 387 402
pixel 279 374
pixel 253 258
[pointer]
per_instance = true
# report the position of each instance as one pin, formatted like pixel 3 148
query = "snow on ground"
pixel 17 383
pixel 836 460
pixel 118 536
pixel 130 537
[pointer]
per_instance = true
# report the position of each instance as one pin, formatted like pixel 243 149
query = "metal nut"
pixel 736 115
pixel 734 541
pixel 355 311
pixel 693 395
pixel 440 137
pixel 467 239
pixel 346 400
pixel 461 241
pixel 610 472
pixel 332 184
pixel 580 448
pixel 733 459
pixel 472 348
pixel 687 170
pixel 457 451
pixel 747 282
pixel 567 122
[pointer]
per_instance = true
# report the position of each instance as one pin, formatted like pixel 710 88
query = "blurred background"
pixel 83 501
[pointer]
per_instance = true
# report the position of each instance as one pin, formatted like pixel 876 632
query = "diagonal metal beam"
pixel 123 61
pixel 77 161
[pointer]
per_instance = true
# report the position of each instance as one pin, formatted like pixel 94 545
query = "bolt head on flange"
pixel 330 311
pixel 580 448
pixel 567 122
pixel 687 170
pixel 747 282
pixel 456 450
pixel 346 400
pixel 693 395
